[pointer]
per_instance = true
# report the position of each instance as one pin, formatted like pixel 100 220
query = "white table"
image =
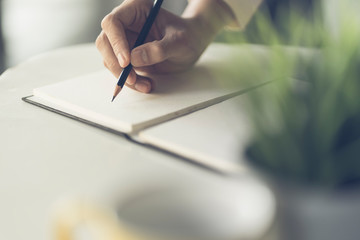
pixel 44 156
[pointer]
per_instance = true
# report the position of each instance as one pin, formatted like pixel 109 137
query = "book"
pixel 223 72
pixel 219 136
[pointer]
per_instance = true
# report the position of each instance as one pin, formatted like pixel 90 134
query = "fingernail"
pixel 121 60
pixel 140 57
pixel 142 86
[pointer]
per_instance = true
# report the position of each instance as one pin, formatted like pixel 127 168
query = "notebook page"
pixel 89 97
pixel 218 133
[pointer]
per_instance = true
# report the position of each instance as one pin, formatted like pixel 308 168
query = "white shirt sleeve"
pixel 243 11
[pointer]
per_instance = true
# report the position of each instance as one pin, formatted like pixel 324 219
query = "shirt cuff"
pixel 243 11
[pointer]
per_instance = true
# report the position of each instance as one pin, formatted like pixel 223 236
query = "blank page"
pixel 218 133
pixel 221 72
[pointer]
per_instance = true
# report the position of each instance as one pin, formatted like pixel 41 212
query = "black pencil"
pixel 140 40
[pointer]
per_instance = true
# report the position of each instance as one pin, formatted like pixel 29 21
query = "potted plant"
pixel 306 131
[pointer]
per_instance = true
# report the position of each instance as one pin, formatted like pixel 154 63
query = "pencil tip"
pixel 117 90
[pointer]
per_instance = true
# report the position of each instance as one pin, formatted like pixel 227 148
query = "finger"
pixel 115 32
pixel 131 78
pixel 106 51
pixel 142 84
pixel 149 54
pixel 130 15
pixel 158 51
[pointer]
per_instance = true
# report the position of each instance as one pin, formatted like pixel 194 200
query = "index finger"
pixel 130 15
pixel 115 32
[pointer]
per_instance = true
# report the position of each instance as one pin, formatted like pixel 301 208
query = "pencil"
pixel 140 40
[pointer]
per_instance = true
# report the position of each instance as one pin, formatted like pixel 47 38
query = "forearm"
pixel 233 13
pixel 211 14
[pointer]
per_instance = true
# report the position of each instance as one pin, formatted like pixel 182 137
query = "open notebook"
pixel 222 73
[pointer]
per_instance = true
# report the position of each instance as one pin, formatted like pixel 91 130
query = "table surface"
pixel 45 157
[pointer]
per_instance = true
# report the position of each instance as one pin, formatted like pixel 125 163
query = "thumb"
pixel 152 53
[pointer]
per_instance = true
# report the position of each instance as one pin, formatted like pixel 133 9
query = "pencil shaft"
pixel 148 23
pixel 141 39
pixel 123 76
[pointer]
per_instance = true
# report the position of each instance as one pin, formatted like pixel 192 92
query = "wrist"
pixel 209 14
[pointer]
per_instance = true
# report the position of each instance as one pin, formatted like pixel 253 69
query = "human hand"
pixel 173 44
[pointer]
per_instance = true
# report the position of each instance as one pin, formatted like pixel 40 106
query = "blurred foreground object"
pixel 240 210
pixel 306 131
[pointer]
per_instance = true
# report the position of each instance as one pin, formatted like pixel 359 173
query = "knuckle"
pixel 160 49
pixel 180 36
pixel 107 21
pixel 117 46
pixel 100 40
pixel 113 66
pixel 185 41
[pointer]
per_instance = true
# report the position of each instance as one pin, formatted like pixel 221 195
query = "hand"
pixel 174 43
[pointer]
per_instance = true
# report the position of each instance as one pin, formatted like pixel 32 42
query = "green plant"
pixel 307 130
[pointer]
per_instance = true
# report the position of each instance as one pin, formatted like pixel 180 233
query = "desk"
pixel 44 156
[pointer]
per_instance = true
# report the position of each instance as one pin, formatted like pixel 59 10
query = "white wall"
pixel 34 26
